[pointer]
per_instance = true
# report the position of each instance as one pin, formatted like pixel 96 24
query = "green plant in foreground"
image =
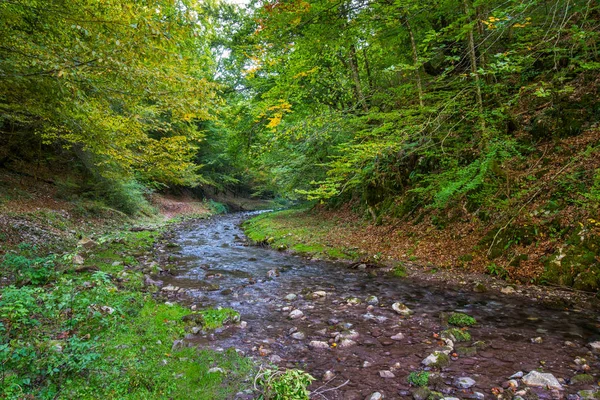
pixel 399 271
pixel 418 378
pixel 291 384
pixel 460 319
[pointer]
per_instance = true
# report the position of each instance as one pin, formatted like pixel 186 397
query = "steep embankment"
pixel 543 228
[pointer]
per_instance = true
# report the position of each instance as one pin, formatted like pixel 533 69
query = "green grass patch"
pixel 214 318
pixel 296 230
pixel 460 319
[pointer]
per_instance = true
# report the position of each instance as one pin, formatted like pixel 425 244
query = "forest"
pixel 457 134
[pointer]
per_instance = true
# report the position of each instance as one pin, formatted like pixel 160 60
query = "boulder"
pixel 540 379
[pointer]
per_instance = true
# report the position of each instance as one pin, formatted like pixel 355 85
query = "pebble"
pixel 295 314
pixel 290 297
pixel 375 396
pixel 537 340
pixel 397 336
pixel 170 288
pixel 215 370
pixel 595 346
pixel 347 343
pixel 275 359
pixel 328 375
pixel 386 374
pixel 372 300
pixel 366 364
pixel 402 309
pixel 299 335
pixel 318 294
pixel 517 375
pixel 243 324
pixel 508 290
pixel 316 344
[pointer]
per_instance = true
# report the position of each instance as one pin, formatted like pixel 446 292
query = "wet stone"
pixel 386 374
pixel 316 344
pixel 375 396
pixel 295 314
pixel 299 335
pixel 464 383
pixel 539 379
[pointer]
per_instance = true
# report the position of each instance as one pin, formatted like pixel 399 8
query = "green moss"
pixel 459 335
pixel 460 319
pixel 443 360
pixel 582 378
pixel 399 271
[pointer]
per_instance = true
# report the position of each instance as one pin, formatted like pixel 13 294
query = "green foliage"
pixel 460 319
pixel 418 378
pixel 216 207
pixel 496 270
pixel 290 384
pixel 399 271
pixel 120 85
pixel 28 270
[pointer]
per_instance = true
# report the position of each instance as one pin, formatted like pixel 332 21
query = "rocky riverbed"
pixel 367 335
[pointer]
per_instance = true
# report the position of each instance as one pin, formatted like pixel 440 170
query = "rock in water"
pixel 375 396
pixel 539 379
pixel 290 297
pixel 595 346
pixel 298 335
pixel 295 314
pixel 464 383
pixel 401 309
pixel 397 336
pixel 372 300
pixel 386 374
pixel 315 344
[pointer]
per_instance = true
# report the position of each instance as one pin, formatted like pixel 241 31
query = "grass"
pixel 94 332
pixel 297 231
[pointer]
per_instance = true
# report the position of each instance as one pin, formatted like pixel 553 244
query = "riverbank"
pixel 340 235
pixel 78 316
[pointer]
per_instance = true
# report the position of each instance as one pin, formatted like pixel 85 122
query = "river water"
pixel 217 267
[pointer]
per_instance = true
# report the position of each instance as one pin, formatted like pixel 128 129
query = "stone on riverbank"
pixel 539 379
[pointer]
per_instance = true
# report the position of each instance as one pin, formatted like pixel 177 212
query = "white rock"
pixel 508 290
pixel 295 314
pixel 352 335
pixel 432 358
pixel 170 288
pixel 372 300
pixel 328 375
pixel 397 336
pixel 464 382
pixel 539 379
pixel 243 324
pixel 595 346
pixel 216 370
pixel 386 374
pixel 347 343
pixel 298 335
pixel 366 364
pixel 316 344
pixel 290 297
pixel 318 294
pixel 375 396
pixel 517 375
pixel 401 309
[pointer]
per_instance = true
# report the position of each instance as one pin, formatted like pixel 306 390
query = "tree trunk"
pixel 415 55
pixel 360 97
pixel 474 73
